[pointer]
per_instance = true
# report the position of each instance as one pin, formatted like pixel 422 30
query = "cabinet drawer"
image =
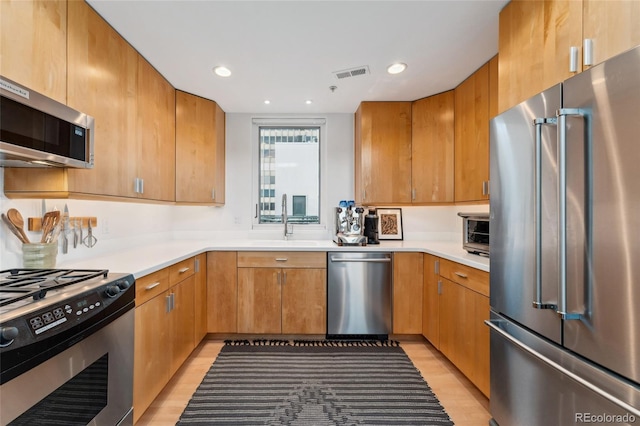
pixel 282 259
pixel 181 270
pixel 151 285
pixel 472 278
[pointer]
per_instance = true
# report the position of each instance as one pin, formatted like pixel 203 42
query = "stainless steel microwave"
pixel 37 131
pixel 475 233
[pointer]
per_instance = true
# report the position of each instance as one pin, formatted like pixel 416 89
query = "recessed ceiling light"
pixel 396 68
pixel 308 102
pixel 222 71
pixel 267 101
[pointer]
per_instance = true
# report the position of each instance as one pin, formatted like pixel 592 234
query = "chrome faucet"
pixel 284 215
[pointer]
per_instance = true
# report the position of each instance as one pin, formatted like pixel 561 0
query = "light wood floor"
pixel 466 405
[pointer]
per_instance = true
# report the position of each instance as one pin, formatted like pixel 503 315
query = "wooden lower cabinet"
pixel 304 301
pixel 288 301
pixel 222 292
pixel 164 330
pixel 431 303
pixel 456 304
pixel 200 299
pixel 259 300
pixel 407 293
pixel 282 292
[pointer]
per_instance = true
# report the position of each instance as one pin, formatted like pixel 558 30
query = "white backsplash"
pixel 126 225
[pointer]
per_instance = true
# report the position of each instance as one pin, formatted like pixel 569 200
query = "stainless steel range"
pixel 66 347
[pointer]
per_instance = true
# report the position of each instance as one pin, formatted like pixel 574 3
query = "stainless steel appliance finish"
pixel 37 131
pixel 350 226
pixel 475 233
pixel 66 347
pixel 359 294
pixel 565 276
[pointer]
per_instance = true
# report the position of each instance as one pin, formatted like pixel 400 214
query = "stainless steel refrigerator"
pixel 565 252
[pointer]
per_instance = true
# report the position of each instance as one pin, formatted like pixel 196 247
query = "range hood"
pixel 37 131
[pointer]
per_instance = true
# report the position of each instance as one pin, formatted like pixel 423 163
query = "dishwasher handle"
pixel 347 259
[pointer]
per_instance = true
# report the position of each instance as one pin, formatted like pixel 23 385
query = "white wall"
pixel 123 225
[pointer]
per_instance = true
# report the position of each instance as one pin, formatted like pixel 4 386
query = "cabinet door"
pixel 472 137
pixel 535 38
pixel 430 310
pixel 451 322
pixel 304 301
pixel 383 153
pixel 200 148
pixel 480 374
pixel 432 145
pixel 200 299
pixel 182 322
pixel 151 355
pixel 222 292
pixel 407 293
pixel 612 26
pixel 103 83
pixel 155 134
pixel 33 51
pixel 259 300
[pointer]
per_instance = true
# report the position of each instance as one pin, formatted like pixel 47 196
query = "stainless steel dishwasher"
pixel 359 295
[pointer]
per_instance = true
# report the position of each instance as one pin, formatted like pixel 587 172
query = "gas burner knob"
pixel 112 290
pixel 7 335
pixel 123 284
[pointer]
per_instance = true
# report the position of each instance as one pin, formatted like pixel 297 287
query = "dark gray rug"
pixel 319 383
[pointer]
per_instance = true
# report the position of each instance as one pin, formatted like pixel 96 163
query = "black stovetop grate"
pixel 19 284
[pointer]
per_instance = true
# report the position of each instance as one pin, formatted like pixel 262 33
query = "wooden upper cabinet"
pixel 200 150
pixel 535 40
pixel 432 147
pixel 155 134
pixel 33 51
pixel 612 26
pixel 103 70
pixel 383 153
pixel 472 137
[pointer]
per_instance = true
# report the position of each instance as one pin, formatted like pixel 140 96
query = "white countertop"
pixel 143 260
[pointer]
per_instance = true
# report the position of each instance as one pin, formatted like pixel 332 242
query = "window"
pixel 289 163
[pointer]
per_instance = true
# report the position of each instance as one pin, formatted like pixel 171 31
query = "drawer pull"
pixel 183 270
pixel 281 259
pixel 460 274
pixel 152 286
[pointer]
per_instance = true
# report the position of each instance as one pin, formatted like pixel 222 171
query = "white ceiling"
pixel 287 51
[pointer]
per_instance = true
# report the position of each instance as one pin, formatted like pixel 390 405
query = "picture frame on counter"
pixel 389 224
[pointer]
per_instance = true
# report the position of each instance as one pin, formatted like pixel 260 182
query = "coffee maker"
pixel 349 225
pixel 371 227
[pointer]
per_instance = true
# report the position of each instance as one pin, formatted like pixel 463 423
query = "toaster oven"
pixel 475 233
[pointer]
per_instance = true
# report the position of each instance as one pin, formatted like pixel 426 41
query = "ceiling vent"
pixel 353 72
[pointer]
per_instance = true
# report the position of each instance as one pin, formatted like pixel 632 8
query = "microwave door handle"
pixel 538 123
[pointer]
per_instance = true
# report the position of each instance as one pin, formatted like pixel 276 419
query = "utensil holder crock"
pixel 39 255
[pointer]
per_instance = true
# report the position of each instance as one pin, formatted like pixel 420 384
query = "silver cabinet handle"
pixel 281 259
pixel 173 301
pixel 279 280
pixel 413 194
pixel 183 270
pixel 196 265
pixel 573 59
pixel 538 123
pixel 213 194
pixel 439 287
pixel 461 274
pixel 346 260
pixel 485 187
pixel 168 300
pixel 587 52
pixel 437 267
pixel 152 286
pixel 562 210
pixel 629 408
pixel 284 277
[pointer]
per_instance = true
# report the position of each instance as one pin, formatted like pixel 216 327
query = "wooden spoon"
pixel 12 228
pixel 16 218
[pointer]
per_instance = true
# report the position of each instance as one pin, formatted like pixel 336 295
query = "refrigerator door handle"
pixel 493 325
pixel 562 114
pixel 538 123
